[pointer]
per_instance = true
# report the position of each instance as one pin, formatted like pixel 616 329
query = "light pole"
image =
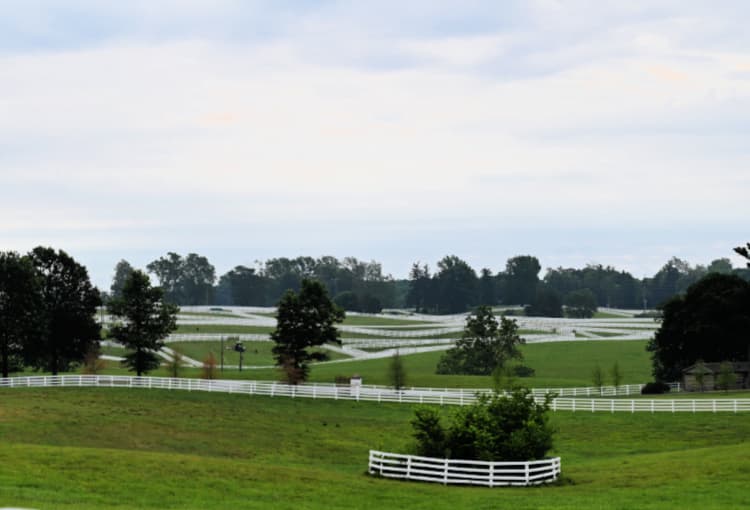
pixel 241 349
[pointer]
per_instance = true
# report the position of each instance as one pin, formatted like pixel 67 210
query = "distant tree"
pixel 92 362
pixel 144 320
pixel 700 372
pixel 597 377
pixel 420 295
pixel 722 265
pixel 487 288
pixel 348 301
pixel 174 364
pixel 709 322
pixel 304 320
pixel 580 304
pixel 497 427
pixel 20 309
pixel 186 281
pixel 521 279
pixel 744 251
pixel 546 303
pixel 370 304
pixel 246 286
pixel 397 372
pixel 483 346
pixel 122 271
pixel 457 285
pixel 69 305
pixel 616 374
pixel 726 378
pixel 208 371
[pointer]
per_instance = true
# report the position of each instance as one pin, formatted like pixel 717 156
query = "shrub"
pixel 498 427
pixel 523 371
pixel 655 388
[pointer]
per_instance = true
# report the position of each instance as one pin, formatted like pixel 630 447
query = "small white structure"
pixel 464 472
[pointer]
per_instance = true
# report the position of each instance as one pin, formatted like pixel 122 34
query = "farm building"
pixel 711 376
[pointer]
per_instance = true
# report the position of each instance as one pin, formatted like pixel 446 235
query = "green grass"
pixel 607 315
pixel 256 353
pixel 228 329
pixel 114 351
pixel 557 364
pixel 360 320
pixel 117 448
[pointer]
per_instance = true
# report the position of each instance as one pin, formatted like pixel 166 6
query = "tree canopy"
pixel 710 322
pixel 20 309
pixel 484 345
pixel 304 320
pixel 69 303
pixel 144 319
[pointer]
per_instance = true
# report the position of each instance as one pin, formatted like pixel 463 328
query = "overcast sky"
pixel 606 132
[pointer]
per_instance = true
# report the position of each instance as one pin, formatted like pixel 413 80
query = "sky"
pixel 576 131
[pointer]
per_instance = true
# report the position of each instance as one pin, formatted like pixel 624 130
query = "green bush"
pixel 498 427
pixel 655 388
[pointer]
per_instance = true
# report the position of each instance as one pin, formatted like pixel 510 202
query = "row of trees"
pixel 453 287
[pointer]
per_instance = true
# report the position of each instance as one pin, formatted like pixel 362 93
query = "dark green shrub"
pixel 497 428
pixel 655 388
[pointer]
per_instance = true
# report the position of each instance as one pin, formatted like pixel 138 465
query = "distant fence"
pixel 464 472
pixel 447 396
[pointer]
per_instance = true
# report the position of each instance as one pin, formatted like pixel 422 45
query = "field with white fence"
pixel 445 396
pixel 463 472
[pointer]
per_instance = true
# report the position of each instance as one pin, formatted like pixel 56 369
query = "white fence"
pixel 447 396
pixel 465 472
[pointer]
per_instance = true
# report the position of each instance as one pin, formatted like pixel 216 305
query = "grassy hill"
pixel 118 448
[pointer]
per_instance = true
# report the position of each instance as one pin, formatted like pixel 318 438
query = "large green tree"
pixel 521 278
pixel 69 304
pixel 710 322
pixel 144 319
pixel 457 285
pixel 484 345
pixel 20 308
pixel 580 304
pixel 304 320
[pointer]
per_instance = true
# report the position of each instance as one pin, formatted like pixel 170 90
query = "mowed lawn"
pixel 117 448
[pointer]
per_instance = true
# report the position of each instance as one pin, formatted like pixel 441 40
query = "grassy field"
pixel 117 448
pixel 256 353
pixel 556 364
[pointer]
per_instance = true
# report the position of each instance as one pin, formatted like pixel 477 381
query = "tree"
pixel 347 300
pixel 546 303
pixel 616 374
pixel 701 371
pixel 122 271
pixel 208 370
pixel 144 319
pixel 69 304
pixel 709 322
pixel 726 378
pixel 174 364
pixel 580 304
pixel 420 294
pixel 487 288
pixel 484 345
pixel 597 377
pixel 304 320
pixel 20 309
pixel 744 251
pixel 497 427
pixel 397 372
pixel 521 279
pixel 186 281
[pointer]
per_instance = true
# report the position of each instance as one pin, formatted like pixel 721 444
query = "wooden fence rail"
pixel 463 472
pixel 446 396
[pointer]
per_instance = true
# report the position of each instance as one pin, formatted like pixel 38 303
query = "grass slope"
pixel 117 448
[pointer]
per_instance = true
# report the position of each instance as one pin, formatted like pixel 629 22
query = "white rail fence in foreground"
pixel 446 396
pixel 466 472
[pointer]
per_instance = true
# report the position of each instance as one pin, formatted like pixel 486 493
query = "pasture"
pixel 119 448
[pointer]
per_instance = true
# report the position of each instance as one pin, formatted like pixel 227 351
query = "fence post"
pixel 408 466
pixel 632 406
pixel 445 471
pixel 526 466
pixel 492 474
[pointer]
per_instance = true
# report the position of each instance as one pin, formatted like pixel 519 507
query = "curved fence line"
pixel 446 396
pixel 463 472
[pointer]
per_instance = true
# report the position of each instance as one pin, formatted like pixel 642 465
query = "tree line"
pixel 452 287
